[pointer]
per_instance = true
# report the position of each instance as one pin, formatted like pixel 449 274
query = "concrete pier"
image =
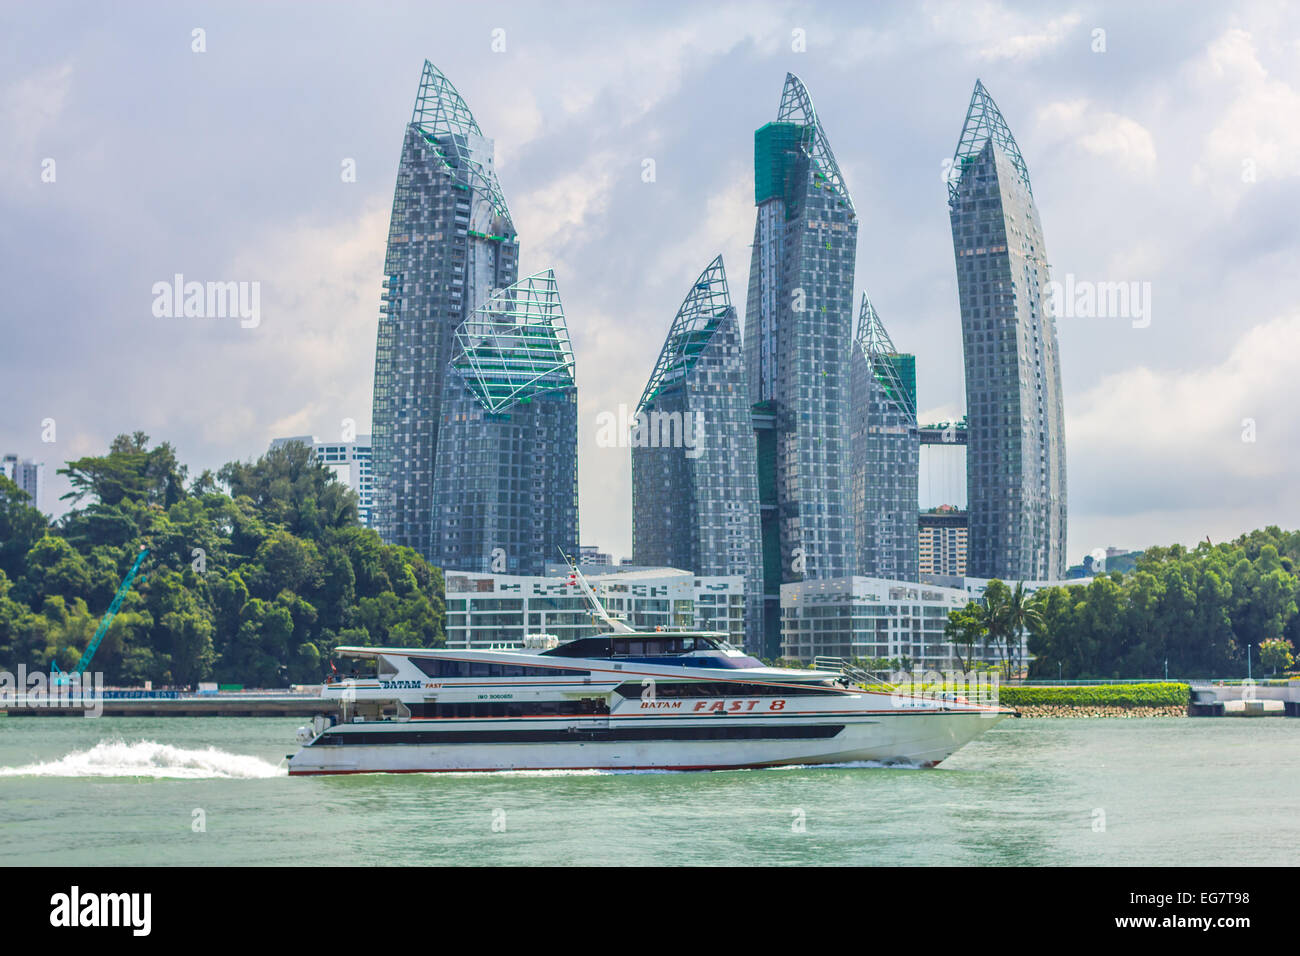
pixel 1244 699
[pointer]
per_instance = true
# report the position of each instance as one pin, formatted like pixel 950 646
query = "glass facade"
pixel 695 497
pixel 869 618
pixel 506 479
pixel 885 448
pixel 451 242
pixel 798 321
pixel 1015 465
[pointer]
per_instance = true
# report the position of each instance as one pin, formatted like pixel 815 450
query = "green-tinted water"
pixel 125 790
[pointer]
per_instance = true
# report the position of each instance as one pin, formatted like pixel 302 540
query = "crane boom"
pixel 93 646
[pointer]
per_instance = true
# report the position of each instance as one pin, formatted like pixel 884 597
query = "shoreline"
pixel 1068 710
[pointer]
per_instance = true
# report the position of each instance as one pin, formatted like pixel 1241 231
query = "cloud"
pixel 996 32
pixel 1163 439
pixel 1027 46
pixel 310 362
pixel 1257 134
pixel 1102 133
pixel 30 107
pixel 552 215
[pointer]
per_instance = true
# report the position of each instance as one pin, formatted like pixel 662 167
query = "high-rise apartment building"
pixel 943 543
pixel 506 479
pixel 694 477
pixel 798 323
pixel 1015 465
pixel 451 244
pixel 885 452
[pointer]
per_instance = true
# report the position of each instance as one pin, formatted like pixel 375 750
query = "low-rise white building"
pixel 485 610
pixel 874 618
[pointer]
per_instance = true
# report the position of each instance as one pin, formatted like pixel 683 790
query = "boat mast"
pixel 577 577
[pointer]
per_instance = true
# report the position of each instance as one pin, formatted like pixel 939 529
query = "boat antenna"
pixel 576 577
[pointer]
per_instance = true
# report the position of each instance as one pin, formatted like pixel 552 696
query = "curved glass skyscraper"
pixel 798 323
pixel 885 450
pixel 451 242
pixel 694 481
pixel 1015 459
pixel 506 478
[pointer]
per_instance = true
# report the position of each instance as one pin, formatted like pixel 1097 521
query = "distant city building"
pixel 499 609
pixel 451 242
pixel 349 460
pixel 1016 457
pixel 942 535
pixel 29 475
pixel 695 480
pixel 1122 560
pixel 506 479
pixel 1112 559
pixel 590 554
pixel 798 321
pixel 871 618
pixel 885 451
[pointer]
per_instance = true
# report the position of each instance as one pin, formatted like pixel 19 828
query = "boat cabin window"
pixel 677 689
pixel 638 645
pixel 447 667
pixel 597 706
pixel 359 667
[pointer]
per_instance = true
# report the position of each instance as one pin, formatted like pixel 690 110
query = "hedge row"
pixel 1100 695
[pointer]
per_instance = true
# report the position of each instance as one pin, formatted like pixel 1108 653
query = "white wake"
pixel 147 758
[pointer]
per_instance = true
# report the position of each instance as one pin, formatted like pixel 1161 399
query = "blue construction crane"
pixel 93 646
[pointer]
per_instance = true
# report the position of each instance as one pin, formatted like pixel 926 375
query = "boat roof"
pixel 733 674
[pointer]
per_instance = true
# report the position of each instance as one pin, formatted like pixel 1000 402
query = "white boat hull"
pixel 916 739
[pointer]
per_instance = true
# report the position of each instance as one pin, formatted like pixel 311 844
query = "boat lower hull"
pixel 922 739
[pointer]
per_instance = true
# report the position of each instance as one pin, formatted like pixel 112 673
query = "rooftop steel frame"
pixel 440 111
pixel 516 345
pixel 797 107
pixel 701 312
pixel 876 345
pixel 984 122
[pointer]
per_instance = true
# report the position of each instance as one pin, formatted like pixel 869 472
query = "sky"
pixel 139 141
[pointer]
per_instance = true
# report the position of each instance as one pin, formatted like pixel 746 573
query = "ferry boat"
pixel 621 700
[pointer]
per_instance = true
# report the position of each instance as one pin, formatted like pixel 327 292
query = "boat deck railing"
pixel 849 670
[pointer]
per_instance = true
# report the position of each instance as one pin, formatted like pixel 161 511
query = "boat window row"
pixel 679 689
pixel 657 645
pixel 511 708
pixel 443 667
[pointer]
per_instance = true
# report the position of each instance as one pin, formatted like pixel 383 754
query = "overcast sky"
pixel 1171 157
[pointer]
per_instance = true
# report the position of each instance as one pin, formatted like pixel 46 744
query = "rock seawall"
pixel 1063 710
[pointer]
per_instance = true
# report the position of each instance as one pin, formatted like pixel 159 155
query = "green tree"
pixel 290 488
pixel 130 471
pixel 1276 655
pixel 965 629
pixel 21 526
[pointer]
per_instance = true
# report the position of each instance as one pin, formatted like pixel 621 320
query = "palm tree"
pixel 1020 614
pixel 997 598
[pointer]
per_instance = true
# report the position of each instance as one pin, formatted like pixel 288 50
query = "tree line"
pixel 255 573
pixel 1200 612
